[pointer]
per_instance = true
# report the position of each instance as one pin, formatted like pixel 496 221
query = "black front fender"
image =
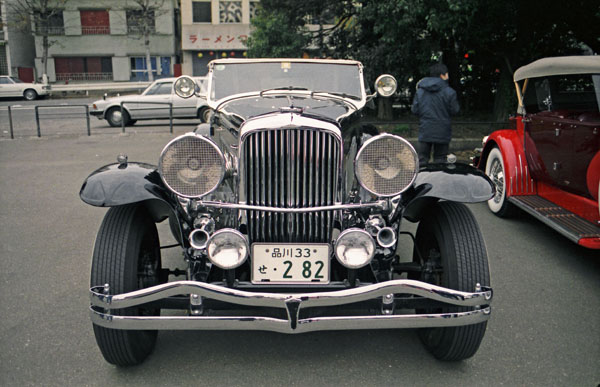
pixel 120 184
pixel 453 182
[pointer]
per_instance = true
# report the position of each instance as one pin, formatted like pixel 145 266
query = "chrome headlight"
pixel 386 165
pixel 227 248
pixel 386 85
pixel 354 248
pixel 191 165
pixel 185 87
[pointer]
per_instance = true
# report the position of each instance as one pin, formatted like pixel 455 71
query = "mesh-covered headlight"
pixel 191 165
pixel 386 165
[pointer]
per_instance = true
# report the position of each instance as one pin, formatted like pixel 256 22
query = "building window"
pixel 139 23
pixel 138 67
pixel 52 21
pixel 201 11
pixel 3 61
pixel 253 9
pixel 230 11
pixel 95 23
pixel 83 69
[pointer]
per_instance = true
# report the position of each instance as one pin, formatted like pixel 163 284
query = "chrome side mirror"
pixel 185 87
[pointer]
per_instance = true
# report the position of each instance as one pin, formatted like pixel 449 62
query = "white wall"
pixel 118 44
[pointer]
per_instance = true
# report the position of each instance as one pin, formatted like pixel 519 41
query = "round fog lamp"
pixel 354 248
pixel 227 249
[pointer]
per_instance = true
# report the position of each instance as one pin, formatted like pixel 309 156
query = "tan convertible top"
pixel 559 65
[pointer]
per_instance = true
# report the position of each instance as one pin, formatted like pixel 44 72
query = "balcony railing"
pixel 52 30
pixel 133 29
pixel 84 76
pixel 95 30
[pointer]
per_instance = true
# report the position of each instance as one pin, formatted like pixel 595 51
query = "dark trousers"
pixel 440 152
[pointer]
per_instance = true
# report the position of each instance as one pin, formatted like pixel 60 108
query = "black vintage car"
pixel 287 209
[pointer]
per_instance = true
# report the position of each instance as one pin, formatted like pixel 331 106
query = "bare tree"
pixel 141 16
pixel 47 20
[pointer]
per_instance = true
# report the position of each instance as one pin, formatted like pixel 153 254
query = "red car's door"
pixel 549 151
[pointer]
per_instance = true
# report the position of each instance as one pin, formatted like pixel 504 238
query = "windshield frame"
pixel 216 104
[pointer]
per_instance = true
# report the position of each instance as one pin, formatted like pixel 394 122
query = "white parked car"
pixel 138 108
pixel 14 87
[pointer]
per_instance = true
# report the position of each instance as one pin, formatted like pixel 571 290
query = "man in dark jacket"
pixel 434 103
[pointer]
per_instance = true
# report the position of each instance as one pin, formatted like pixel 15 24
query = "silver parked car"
pixel 14 87
pixel 287 209
pixel 138 108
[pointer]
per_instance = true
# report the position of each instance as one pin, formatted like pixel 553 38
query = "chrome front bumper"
pixel 102 303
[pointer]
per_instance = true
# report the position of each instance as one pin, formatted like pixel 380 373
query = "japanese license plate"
pixel 282 263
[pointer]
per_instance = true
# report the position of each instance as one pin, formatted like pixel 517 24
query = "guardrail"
pixel 10 123
pixel 37 116
pixel 84 114
pixel 150 103
pixel 109 86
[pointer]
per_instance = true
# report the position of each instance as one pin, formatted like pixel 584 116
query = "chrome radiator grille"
pixel 290 168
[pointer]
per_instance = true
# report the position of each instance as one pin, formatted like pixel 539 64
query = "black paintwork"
pixel 454 182
pixel 120 184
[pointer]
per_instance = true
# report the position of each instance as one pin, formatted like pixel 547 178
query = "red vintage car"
pixel 548 163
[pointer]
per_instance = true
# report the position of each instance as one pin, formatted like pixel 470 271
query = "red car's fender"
pixel 517 175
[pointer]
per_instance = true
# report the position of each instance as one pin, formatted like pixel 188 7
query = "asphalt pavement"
pixel 544 329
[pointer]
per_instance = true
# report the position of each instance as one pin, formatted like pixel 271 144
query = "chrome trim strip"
pixel 280 300
pixel 282 121
pixel 291 302
pixel 284 326
pixel 380 204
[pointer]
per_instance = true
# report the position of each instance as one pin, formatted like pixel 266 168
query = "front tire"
pixel 204 114
pixel 127 257
pixel 494 168
pixel 454 255
pixel 30 95
pixel 114 117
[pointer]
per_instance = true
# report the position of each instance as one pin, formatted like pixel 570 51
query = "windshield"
pixel 235 78
pixel 16 80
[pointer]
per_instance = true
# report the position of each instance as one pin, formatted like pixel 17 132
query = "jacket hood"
pixel 432 84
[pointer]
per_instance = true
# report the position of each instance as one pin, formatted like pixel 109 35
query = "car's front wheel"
pixel 114 117
pixel 204 114
pixel 452 253
pixel 127 258
pixel 30 95
pixel 494 168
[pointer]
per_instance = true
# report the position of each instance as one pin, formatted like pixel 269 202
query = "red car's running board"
pixel 567 223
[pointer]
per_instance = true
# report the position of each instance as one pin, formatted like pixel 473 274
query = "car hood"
pixel 329 108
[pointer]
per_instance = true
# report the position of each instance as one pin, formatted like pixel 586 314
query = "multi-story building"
pixel 102 40
pixel 17 51
pixel 212 29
